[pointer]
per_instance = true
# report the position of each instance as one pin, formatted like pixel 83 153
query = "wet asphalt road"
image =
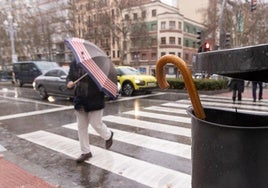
pixel 23 112
pixel 152 138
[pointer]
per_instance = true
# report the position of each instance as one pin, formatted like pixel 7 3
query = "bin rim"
pixel 191 113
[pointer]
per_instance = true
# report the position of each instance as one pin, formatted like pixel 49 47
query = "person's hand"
pixel 70 84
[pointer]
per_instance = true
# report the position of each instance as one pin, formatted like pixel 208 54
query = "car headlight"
pixel 139 82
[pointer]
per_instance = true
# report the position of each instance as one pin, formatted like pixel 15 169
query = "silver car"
pixel 53 83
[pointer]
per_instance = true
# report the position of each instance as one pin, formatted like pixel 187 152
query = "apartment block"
pixel 135 33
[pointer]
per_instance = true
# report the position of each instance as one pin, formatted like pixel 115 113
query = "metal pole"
pixel 10 27
pixel 220 24
pixel 12 44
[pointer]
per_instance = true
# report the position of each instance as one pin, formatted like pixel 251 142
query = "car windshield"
pixel 44 65
pixel 129 71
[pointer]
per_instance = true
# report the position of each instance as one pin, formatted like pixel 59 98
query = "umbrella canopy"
pixel 96 63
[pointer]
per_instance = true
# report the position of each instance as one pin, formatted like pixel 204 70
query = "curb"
pixel 14 176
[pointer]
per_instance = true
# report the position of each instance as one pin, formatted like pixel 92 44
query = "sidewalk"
pixel 13 176
pixel 247 93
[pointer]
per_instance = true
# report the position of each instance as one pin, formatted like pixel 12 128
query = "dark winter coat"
pixel 237 84
pixel 87 95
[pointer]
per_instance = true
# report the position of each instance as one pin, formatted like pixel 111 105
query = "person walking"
pixel 237 86
pixel 255 84
pixel 88 104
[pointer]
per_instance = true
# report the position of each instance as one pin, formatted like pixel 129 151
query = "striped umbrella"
pixel 96 63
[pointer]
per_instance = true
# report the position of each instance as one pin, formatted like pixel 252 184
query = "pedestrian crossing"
pixel 165 121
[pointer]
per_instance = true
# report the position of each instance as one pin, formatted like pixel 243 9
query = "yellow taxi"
pixel 132 80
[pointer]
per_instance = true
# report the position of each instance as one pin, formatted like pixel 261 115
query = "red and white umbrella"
pixel 96 63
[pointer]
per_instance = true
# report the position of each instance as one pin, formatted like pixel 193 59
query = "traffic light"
pixel 253 5
pixel 206 47
pixel 227 43
pixel 199 38
pixel 199 41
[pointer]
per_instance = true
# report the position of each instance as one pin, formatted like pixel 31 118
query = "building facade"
pixel 135 33
pixel 170 33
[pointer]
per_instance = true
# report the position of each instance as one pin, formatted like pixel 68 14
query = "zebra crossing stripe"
pixel 124 121
pixel 148 142
pixel 25 114
pixel 229 106
pixel 159 116
pixel 140 171
pixel 165 109
pixel 175 104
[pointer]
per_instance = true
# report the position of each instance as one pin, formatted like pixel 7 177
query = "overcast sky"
pixel 169 2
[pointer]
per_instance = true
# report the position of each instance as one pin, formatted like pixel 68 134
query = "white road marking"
pixel 25 114
pixel 165 109
pixel 149 125
pixel 31 101
pixel 148 142
pixel 159 116
pixel 176 105
pixel 140 171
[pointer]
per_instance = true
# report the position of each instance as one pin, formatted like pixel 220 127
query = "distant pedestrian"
pixel 255 84
pixel 237 86
pixel 88 105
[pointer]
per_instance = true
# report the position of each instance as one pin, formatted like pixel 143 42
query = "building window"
pixel 179 41
pixel 179 54
pixel 163 40
pixel 94 17
pixel 154 13
pixel 143 14
pixel 126 17
pixel 135 16
pixel 186 43
pixel 187 29
pixel 186 57
pixel 171 40
pixel 172 25
pixel 194 44
pixel 113 54
pixel 154 27
pixel 143 57
pixel 154 56
pixel 163 25
pixel 179 25
pixel 113 15
pixel 163 53
pixel 172 53
pixel 154 42
pixel 195 30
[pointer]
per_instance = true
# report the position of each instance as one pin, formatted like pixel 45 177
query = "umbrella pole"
pixel 80 78
pixel 188 80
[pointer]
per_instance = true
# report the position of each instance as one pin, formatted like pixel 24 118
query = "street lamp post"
pixel 221 41
pixel 11 27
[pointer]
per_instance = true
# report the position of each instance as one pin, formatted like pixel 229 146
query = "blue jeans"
pixel 254 90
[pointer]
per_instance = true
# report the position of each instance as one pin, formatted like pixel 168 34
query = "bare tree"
pixel 245 26
pixel 113 29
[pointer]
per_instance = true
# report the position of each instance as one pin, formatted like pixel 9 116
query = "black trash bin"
pixel 229 149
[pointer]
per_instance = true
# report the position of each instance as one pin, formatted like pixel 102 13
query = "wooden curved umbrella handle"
pixel 188 80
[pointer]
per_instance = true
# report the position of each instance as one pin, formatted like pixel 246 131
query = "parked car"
pixel 5 75
pixel 132 80
pixel 215 77
pixel 53 83
pixel 26 71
